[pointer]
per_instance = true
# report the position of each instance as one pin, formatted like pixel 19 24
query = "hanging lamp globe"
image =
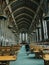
pixel 13 31
pixel 2 13
pixel 46 17
pixel 10 26
pixel 3 17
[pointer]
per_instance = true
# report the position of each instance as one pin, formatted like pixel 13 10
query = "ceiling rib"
pixel 23 22
pixel 35 2
pixel 24 8
pixel 24 19
pixel 20 15
pixel 12 13
pixel 17 0
pixel 24 14
pixel 10 3
pixel 36 14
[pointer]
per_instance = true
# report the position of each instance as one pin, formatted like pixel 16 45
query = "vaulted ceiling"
pixel 23 13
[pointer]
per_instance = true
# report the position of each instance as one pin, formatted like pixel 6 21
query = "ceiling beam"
pixel 36 14
pixel 27 8
pixel 11 14
pixel 22 19
pixel 17 0
pixel 10 3
pixel 24 14
pixel 20 22
pixel 34 2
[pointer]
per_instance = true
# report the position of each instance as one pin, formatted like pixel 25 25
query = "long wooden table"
pixel 42 51
pixel 8 53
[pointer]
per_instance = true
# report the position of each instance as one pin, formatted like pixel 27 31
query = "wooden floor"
pixel 24 59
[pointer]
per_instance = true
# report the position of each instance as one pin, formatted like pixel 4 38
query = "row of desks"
pixel 41 51
pixel 9 53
